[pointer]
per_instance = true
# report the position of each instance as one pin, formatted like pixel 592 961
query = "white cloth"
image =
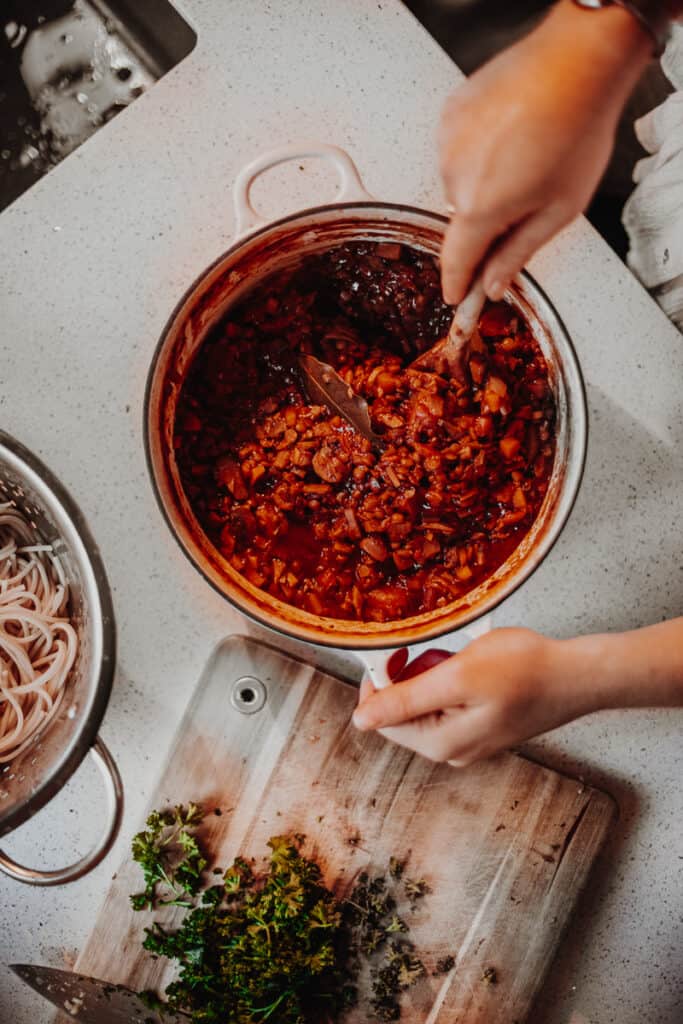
pixel 653 214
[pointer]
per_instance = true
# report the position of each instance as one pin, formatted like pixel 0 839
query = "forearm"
pixel 641 668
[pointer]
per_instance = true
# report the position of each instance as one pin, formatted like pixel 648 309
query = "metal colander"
pixel 31 779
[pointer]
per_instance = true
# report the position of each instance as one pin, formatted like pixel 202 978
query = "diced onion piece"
pixel 393 477
pixel 483 426
pixel 314 603
pixel 477 368
pixel 497 385
pixel 354 528
pixel 374 547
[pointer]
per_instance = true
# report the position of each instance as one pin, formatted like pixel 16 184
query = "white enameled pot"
pixel 263 247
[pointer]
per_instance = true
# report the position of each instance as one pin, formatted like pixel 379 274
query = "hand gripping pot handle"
pixel 378 663
pixel 351 188
pixel 114 787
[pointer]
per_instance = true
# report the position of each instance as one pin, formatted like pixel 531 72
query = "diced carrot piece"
pixel 430 548
pixel 510 446
pixel 314 603
pixel 519 498
pixel 513 517
pixel 491 401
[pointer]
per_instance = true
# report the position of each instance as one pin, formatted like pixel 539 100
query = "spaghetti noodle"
pixel 38 643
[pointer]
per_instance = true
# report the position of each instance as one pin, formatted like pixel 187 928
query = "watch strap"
pixel 655 16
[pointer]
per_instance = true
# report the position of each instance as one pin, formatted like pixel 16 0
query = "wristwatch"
pixel 654 15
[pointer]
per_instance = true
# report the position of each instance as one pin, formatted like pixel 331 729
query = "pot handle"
pixel 377 663
pixel 32 876
pixel 351 188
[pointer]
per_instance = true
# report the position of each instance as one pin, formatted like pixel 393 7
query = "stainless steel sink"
pixel 67 67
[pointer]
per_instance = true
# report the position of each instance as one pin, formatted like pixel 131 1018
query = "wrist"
pixel 601 52
pixel 592 672
pixel 612 30
pixel 653 16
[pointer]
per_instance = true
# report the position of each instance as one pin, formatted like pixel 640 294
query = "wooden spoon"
pixel 449 355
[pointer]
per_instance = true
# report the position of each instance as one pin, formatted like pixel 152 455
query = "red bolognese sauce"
pixel 310 511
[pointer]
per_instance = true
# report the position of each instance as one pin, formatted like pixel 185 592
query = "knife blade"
pixel 91 1000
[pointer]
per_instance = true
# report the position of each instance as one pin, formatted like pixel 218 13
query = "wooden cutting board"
pixel 506 846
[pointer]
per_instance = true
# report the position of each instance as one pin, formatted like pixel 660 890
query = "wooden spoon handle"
pixel 449 354
pixel 469 310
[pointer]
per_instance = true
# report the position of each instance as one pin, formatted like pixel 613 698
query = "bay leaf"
pixel 326 387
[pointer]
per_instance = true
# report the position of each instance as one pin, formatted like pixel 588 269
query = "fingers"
pixel 465 244
pixel 423 662
pixel 424 694
pixel 459 737
pixel 519 246
pixel 366 688
pixel 422 737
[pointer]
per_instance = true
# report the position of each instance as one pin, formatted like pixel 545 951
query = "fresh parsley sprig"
pixel 260 948
pixel 170 858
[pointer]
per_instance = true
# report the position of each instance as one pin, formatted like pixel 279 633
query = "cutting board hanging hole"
pixel 248 695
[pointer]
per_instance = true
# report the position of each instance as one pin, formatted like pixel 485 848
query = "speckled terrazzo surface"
pixel 94 258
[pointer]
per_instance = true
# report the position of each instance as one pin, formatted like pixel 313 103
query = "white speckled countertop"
pixel 94 258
